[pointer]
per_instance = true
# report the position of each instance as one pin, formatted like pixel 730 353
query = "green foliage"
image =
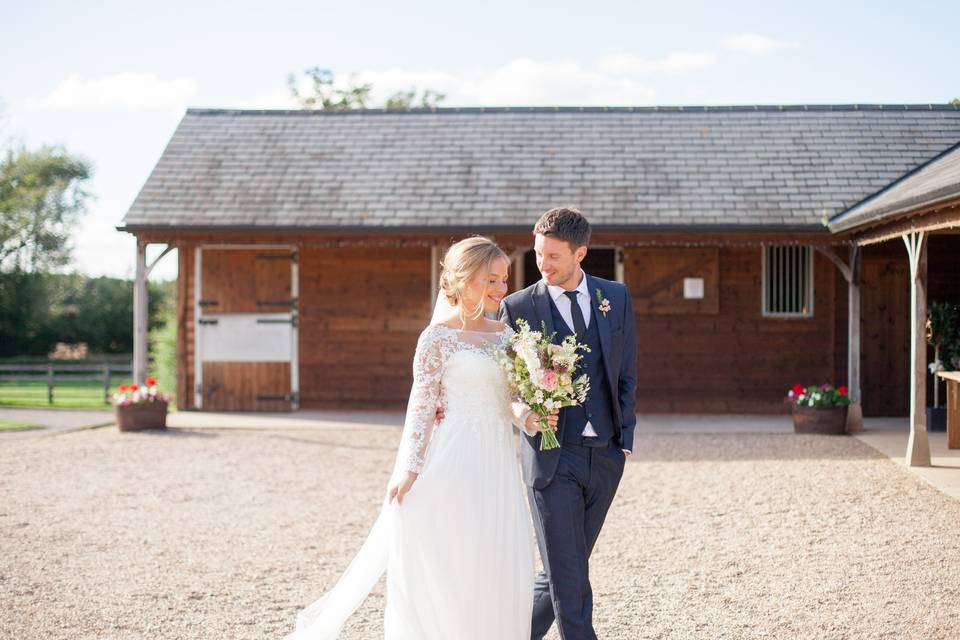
pixel 430 99
pixel 41 198
pixel 355 96
pixel 163 347
pixel 37 310
pixel 943 332
pixel 25 327
pixel 326 96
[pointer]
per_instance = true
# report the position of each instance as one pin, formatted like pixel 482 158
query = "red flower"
pixel 151 381
pixel 843 391
pixel 122 388
pixel 797 389
pixel 134 387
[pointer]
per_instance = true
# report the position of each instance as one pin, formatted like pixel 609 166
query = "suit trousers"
pixel 568 514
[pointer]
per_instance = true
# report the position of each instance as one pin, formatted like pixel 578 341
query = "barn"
pixel 921 209
pixel 308 243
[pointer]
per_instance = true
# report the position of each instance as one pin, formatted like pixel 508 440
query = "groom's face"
pixel 557 260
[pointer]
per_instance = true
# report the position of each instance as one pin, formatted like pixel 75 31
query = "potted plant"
pixel 139 407
pixel 819 409
pixel 943 334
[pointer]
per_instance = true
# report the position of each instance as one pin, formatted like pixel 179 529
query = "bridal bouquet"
pixel 541 374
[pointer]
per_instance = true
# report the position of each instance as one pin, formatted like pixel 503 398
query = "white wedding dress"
pixel 459 551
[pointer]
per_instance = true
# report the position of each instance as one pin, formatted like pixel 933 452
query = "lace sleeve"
pixel 424 398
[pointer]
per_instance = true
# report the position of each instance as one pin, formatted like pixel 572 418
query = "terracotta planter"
pixel 827 421
pixel 145 415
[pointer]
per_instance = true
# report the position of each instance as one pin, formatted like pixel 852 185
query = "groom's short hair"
pixel 565 223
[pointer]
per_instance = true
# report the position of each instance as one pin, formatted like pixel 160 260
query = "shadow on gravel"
pixel 170 432
pixel 732 447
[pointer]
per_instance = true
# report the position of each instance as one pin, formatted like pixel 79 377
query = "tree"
pixel 326 96
pixel 41 198
pixel 430 99
pixel 955 101
pixel 355 96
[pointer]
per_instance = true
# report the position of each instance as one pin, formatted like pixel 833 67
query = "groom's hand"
pixel 439 417
pixel 627 452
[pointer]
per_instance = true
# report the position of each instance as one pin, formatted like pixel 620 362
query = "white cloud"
pixel 520 82
pixel 755 44
pixel 121 91
pixel 676 62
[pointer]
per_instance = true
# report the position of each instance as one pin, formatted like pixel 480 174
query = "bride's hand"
pixel 533 421
pixel 402 486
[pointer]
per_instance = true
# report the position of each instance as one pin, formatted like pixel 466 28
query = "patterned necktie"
pixel 579 326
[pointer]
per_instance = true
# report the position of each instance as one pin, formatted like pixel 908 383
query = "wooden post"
pixel 855 412
pixel 49 384
pixel 851 273
pixel 918 446
pixel 106 382
pixel 140 315
pixel 183 275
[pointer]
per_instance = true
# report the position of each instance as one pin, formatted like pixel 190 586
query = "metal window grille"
pixel 787 281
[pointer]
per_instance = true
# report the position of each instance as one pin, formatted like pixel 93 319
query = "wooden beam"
pixel 925 221
pixel 831 255
pixel 398 237
pixel 918 446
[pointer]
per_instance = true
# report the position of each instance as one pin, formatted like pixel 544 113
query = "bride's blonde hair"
pixel 464 260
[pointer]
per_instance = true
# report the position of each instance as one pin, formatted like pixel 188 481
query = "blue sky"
pixel 110 80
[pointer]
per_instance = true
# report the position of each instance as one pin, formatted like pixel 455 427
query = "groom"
pixel 571 488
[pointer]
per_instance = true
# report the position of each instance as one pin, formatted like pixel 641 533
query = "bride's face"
pixel 488 287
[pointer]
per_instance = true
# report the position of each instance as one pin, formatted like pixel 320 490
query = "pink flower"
pixel 549 381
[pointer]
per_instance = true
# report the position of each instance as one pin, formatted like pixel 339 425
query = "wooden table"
pixel 953 407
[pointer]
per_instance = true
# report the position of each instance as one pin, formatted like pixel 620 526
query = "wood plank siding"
pixel 362 308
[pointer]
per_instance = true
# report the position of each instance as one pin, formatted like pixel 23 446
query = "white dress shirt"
pixel 563 306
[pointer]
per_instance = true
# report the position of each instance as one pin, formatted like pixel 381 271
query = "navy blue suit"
pixel 571 488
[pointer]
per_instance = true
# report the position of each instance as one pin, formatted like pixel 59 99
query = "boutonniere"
pixel 604 303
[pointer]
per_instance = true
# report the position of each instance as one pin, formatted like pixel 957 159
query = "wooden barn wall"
pixel 361 312
pixel 362 308
pixel 734 360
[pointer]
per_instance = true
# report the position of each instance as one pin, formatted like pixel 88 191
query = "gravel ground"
pixel 227 534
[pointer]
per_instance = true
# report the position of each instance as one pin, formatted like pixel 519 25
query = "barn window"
pixel 787 281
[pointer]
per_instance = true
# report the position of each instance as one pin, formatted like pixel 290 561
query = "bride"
pixel 454 533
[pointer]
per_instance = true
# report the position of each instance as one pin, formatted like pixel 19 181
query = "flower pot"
pixel 827 420
pixel 142 415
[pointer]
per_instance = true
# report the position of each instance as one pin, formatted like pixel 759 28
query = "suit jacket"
pixel 618 339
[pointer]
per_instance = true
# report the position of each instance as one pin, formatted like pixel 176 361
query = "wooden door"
pixel 885 337
pixel 247 320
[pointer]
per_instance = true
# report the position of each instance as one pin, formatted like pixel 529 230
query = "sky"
pixel 109 81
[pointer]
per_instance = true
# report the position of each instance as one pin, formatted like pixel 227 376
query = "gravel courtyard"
pixel 226 534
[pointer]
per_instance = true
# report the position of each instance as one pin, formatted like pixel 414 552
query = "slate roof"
pixel 785 167
pixel 935 181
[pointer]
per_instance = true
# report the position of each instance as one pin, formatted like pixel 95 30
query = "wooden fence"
pixel 93 372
